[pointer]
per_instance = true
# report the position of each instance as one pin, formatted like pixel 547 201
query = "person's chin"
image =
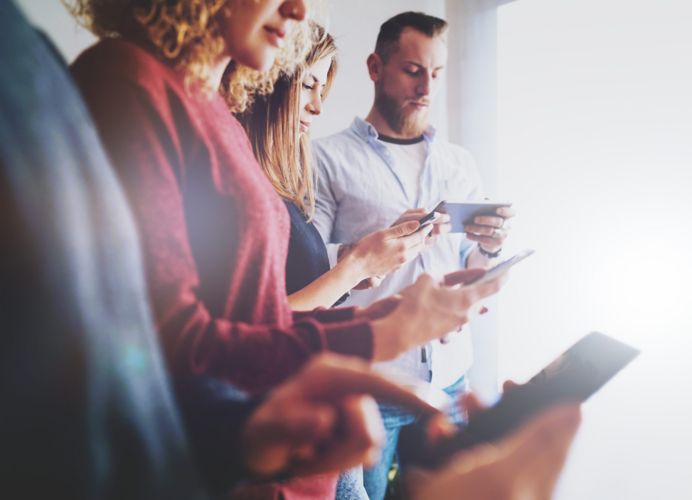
pixel 415 125
pixel 260 60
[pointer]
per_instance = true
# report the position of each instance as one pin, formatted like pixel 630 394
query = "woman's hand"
pixel 384 251
pixel 378 309
pixel 428 311
pixel 441 225
pixel 323 419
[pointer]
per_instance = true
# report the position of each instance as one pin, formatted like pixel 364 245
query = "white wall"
pixel 52 17
pixel 354 24
pixel 595 149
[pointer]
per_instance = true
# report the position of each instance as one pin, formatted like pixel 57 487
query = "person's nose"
pixel 294 9
pixel 315 104
pixel 424 84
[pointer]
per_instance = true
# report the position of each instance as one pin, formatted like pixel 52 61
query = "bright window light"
pixel 595 149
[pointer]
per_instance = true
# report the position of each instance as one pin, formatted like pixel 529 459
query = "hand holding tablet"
pixel 463 214
pixel 572 377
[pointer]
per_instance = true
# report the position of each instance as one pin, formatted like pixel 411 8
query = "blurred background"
pixel 580 113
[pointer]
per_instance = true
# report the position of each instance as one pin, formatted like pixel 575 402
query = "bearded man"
pixel 392 163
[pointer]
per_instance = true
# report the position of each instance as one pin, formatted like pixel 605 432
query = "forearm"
pixel 328 288
pixel 255 357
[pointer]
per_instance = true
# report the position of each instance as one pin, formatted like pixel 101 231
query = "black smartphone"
pixel 440 207
pixel 573 377
pixel 430 218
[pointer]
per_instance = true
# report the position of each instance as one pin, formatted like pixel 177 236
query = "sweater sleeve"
pixel 143 139
pixel 339 314
pixel 215 415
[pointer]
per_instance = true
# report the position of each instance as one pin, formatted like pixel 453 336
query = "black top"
pixel 307 257
pixel 307 254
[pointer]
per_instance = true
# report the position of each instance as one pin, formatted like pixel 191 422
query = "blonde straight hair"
pixel 272 124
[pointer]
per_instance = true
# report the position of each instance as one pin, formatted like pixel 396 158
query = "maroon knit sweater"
pixel 214 233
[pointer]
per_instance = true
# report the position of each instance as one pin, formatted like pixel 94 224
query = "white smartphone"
pixel 464 213
pixel 504 266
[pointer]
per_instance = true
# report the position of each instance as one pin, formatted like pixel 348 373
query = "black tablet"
pixel 573 377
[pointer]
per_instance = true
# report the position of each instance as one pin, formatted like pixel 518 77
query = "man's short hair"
pixel 390 31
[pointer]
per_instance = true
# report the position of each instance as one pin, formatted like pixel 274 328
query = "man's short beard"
pixel 412 125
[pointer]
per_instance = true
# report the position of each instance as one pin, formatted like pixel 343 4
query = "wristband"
pixel 490 255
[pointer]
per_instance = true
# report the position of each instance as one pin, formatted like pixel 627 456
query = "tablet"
pixel 573 377
pixel 464 213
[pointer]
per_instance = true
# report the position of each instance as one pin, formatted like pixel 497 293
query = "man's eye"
pixel 412 72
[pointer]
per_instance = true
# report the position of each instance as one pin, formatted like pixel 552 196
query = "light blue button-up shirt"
pixel 360 191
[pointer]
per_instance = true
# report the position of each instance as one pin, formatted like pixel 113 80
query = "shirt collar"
pixel 366 131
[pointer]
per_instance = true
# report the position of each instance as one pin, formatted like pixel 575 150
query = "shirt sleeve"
pixel 215 414
pixel 467 182
pixel 141 138
pixel 467 246
pixel 323 315
pixel 326 204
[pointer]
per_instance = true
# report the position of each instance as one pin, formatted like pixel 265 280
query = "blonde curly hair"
pixel 186 33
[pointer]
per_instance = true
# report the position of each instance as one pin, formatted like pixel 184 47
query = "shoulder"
pixel 115 55
pixel 339 141
pixel 115 63
pixel 345 147
pixel 297 217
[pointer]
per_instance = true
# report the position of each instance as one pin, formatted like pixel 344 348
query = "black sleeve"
pixel 214 415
